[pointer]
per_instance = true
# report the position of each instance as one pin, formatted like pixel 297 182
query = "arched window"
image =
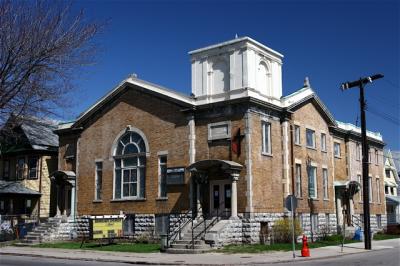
pixel 220 77
pixel 264 78
pixel 130 166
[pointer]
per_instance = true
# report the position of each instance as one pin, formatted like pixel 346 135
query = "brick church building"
pixel 234 149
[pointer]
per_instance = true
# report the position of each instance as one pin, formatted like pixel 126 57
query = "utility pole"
pixel 365 165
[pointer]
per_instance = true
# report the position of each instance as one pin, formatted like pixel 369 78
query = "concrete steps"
pixel 184 245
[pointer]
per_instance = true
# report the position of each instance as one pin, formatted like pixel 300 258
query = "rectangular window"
pixel 376 157
pixel 20 168
pixel 323 142
pixel 370 189
pixel 369 156
pixel 379 220
pixel 310 137
pixel 99 180
pixel 361 187
pixel 358 152
pixel 325 182
pixel 386 190
pixel 32 167
pixel 266 138
pixel 336 149
pixel 378 191
pixel 312 182
pixel 162 175
pixel 6 169
pixel 297 135
pixel 129 183
pixel 327 222
pixel 314 222
pixel 298 181
pixel 387 172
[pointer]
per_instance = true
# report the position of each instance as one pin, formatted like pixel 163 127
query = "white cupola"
pixel 241 67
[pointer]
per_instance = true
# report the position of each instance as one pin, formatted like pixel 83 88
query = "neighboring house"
pixel 28 156
pixel 391 189
pixel 234 149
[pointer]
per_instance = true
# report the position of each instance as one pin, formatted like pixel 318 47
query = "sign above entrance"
pixel 175 175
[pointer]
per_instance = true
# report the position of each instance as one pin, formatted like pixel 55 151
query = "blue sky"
pixel 328 41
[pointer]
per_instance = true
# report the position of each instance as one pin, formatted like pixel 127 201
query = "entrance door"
pixel 220 198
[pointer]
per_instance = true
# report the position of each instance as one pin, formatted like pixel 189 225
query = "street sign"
pixel 291 202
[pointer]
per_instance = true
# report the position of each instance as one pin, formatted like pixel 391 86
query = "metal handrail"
pixel 206 227
pixel 172 235
pixel 355 220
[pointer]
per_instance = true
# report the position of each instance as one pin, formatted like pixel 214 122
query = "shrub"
pixel 282 230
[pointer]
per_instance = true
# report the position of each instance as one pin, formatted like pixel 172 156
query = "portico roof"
pixel 222 164
pixel 394 199
pixel 64 174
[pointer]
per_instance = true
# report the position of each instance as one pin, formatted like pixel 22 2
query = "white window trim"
pixel 224 136
pixel 325 187
pixel 269 151
pixel 294 131
pixel 95 177
pixel 298 194
pixel 315 182
pixel 314 147
pixel 159 175
pixel 334 151
pixel 324 149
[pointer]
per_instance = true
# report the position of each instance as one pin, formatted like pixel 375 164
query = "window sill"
pixel 298 144
pixel 314 199
pixel 266 154
pixel 324 151
pixel 338 157
pixel 325 199
pixel 128 199
pixel 97 201
pixel 311 148
pixel 162 199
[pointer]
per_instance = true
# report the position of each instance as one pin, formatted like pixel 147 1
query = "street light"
pixel 347 85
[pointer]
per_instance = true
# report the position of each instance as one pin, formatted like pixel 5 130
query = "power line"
pixel 380 100
pixel 383 115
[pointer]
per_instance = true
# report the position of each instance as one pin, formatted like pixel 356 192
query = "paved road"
pixel 8 260
pixel 387 257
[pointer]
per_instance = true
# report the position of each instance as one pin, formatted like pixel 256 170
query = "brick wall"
pixel 165 128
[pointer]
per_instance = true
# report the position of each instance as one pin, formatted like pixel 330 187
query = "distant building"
pixel 232 152
pixel 391 189
pixel 28 155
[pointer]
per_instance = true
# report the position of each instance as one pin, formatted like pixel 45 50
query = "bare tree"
pixel 42 46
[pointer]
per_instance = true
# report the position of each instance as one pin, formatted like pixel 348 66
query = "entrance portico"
pixel 216 187
pixel 63 194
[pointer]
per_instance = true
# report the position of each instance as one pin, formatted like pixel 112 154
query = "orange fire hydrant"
pixel 305 251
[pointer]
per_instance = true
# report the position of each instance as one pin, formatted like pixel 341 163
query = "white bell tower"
pixel 237 68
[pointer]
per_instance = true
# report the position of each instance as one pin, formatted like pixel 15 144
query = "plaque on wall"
pixel 175 175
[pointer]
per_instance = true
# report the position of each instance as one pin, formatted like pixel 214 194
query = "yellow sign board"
pixel 106 228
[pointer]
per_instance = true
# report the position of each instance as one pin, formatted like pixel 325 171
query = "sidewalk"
pixel 195 259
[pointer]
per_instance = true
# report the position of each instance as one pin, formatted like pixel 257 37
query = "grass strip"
pixel 119 247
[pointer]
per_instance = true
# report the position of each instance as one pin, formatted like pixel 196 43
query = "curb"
pixel 177 262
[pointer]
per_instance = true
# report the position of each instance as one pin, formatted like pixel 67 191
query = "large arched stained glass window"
pixel 130 165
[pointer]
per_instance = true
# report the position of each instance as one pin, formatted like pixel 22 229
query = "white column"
pixel 72 215
pixel 199 211
pixel 235 177
pixel 58 196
